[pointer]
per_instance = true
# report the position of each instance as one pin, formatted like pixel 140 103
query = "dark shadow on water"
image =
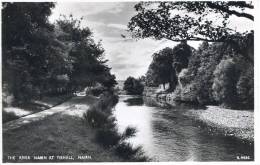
pixel 137 101
pixel 154 102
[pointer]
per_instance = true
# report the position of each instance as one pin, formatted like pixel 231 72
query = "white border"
pixel 256 86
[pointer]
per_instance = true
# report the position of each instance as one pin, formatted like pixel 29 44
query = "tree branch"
pixel 231 12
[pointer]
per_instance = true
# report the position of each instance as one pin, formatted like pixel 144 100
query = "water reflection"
pixel 167 135
pixel 134 101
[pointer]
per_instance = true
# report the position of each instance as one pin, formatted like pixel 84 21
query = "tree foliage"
pixel 133 86
pixel 179 21
pixel 197 81
pixel 162 66
pixel 27 43
pixel 181 55
pixel 87 57
pixel 224 85
pixel 40 58
pixel 167 64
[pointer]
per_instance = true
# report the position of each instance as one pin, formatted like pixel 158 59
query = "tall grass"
pixel 100 116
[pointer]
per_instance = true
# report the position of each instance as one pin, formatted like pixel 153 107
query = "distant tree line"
pixel 40 58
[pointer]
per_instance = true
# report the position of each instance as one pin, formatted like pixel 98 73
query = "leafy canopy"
pixel 178 21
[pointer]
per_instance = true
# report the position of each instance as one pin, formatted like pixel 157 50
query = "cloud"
pixel 81 9
pixel 118 26
pixel 108 20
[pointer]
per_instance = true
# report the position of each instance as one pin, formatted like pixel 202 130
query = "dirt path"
pixel 60 132
pixel 71 104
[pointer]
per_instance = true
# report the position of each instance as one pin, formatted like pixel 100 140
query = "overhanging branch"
pixel 231 12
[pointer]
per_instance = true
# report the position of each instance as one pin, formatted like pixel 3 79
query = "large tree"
pixel 87 57
pixel 181 54
pixel 162 67
pixel 28 46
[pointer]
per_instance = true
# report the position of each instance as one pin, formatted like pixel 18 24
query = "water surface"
pixel 166 134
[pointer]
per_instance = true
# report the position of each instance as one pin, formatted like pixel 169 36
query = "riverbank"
pixel 229 122
pixel 62 134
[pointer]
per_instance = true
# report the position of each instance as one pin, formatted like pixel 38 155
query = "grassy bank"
pixel 234 123
pixel 100 118
pixel 62 134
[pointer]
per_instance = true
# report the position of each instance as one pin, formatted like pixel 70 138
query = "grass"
pixel 60 134
pixel 100 117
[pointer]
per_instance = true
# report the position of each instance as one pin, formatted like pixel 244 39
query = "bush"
pixel 107 137
pixel 127 151
pixel 96 118
pixel 128 133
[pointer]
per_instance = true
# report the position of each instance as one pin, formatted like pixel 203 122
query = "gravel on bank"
pixel 235 123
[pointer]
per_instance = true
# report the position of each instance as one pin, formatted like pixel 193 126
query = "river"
pixel 166 134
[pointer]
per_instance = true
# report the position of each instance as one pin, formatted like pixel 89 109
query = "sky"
pixel 108 20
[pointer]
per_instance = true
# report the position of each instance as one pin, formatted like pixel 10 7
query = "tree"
pixel 167 64
pixel 245 88
pixel 133 86
pixel 88 64
pixel 162 66
pixel 27 47
pixel 180 21
pixel 41 58
pixel 150 80
pixel 198 79
pixel 225 80
pixel 107 79
pixel 181 54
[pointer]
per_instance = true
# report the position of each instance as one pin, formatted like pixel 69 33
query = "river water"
pixel 166 134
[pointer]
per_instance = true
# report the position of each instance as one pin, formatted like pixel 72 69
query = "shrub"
pixel 107 137
pixel 127 151
pixel 129 132
pixel 96 118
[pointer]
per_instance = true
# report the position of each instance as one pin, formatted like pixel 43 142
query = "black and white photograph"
pixel 128 81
